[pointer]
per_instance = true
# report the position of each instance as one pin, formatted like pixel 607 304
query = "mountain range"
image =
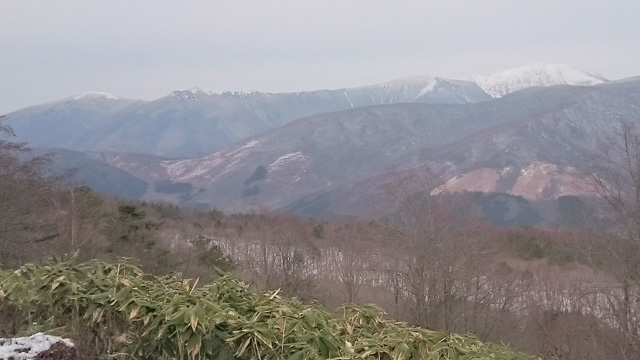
pixel 197 122
pixel 523 133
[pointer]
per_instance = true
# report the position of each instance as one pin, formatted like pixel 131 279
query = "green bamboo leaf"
pixel 237 335
pixel 266 337
pixel 194 344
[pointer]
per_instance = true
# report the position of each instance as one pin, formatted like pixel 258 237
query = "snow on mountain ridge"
pixel 192 94
pixel 496 84
pixel 96 95
pixel 417 88
pixel 242 93
pixel 418 80
pixel 426 83
pixel 501 83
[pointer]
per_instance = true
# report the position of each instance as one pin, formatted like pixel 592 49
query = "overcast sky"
pixel 146 49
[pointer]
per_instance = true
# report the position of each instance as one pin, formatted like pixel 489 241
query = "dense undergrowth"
pixel 116 309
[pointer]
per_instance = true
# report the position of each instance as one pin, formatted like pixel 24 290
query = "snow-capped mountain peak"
pixel 504 82
pixel 91 95
pixel 192 94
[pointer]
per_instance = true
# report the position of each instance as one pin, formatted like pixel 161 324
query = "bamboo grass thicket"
pixel 124 313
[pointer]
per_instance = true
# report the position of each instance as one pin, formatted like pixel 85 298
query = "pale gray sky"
pixel 146 49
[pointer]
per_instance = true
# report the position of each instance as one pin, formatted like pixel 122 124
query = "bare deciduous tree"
pixel 437 247
pixel 616 179
pixel 27 196
pixel 350 259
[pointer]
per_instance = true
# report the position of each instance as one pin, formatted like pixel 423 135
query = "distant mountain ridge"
pixel 196 122
pixel 63 123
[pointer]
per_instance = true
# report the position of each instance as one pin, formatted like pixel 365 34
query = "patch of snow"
pixel 539 167
pixel 242 94
pixel 193 94
pixel 405 84
pixel 429 87
pixel 192 167
pixel 250 144
pixel 197 90
pixel 287 159
pixel 506 170
pixel 238 152
pixel 185 170
pixel 534 179
pixel 348 99
pixel 96 95
pixel 28 347
pixel 504 82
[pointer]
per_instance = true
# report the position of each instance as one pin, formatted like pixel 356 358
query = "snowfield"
pixel 500 83
pixel 24 348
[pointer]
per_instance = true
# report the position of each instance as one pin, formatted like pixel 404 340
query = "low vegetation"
pixel 116 309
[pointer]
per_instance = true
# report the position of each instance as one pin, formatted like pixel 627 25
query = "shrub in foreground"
pixel 118 310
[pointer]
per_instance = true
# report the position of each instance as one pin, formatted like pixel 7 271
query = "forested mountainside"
pixel 533 144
